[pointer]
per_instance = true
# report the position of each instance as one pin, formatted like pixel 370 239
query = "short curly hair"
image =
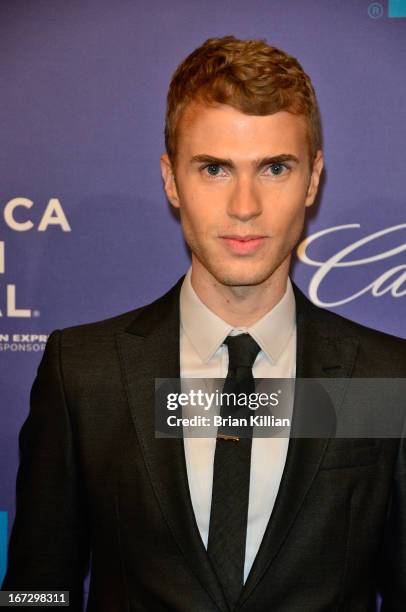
pixel 249 75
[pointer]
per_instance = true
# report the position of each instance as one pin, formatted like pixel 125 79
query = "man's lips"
pixel 243 244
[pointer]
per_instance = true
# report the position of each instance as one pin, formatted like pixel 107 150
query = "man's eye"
pixel 277 169
pixel 212 170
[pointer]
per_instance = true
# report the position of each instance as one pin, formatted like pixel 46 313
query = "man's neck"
pixel 240 306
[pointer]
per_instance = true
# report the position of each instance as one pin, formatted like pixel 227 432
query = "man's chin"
pixel 243 279
pixel 242 273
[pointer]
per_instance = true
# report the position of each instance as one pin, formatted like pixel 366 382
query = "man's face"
pixel 241 184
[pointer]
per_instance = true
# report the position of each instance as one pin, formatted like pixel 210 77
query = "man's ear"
pixel 169 180
pixel 317 168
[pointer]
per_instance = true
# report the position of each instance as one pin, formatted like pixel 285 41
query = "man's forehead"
pixel 199 108
pixel 222 125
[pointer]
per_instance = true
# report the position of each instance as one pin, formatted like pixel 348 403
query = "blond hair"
pixel 249 75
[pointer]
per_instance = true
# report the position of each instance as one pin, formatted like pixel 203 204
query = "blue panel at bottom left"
pixel 3 543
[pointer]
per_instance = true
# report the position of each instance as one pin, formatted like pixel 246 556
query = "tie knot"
pixel 242 351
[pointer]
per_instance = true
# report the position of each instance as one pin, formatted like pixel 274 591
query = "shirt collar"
pixel 207 331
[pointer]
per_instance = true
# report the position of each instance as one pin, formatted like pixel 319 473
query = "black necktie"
pixel 231 473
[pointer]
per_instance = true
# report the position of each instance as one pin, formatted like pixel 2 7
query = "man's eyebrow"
pixel 228 163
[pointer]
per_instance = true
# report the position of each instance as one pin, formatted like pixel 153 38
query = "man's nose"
pixel 244 201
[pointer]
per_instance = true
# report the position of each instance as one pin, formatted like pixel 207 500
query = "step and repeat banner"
pixel 85 228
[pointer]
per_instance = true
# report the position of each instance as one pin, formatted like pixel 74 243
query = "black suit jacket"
pixel 94 483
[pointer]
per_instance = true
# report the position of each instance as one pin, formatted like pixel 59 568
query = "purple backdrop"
pixel 85 229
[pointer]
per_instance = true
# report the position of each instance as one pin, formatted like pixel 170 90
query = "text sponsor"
pixel 29 343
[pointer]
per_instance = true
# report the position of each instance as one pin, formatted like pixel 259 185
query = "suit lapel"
pixel 149 349
pixel 320 354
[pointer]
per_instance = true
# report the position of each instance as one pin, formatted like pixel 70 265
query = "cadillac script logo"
pixel 392 281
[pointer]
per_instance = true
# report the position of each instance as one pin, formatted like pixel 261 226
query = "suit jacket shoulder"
pixel 147 315
pixel 378 353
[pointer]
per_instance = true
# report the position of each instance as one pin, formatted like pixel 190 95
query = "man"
pixel 311 524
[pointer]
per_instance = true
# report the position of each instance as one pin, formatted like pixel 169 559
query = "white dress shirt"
pixel 203 355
